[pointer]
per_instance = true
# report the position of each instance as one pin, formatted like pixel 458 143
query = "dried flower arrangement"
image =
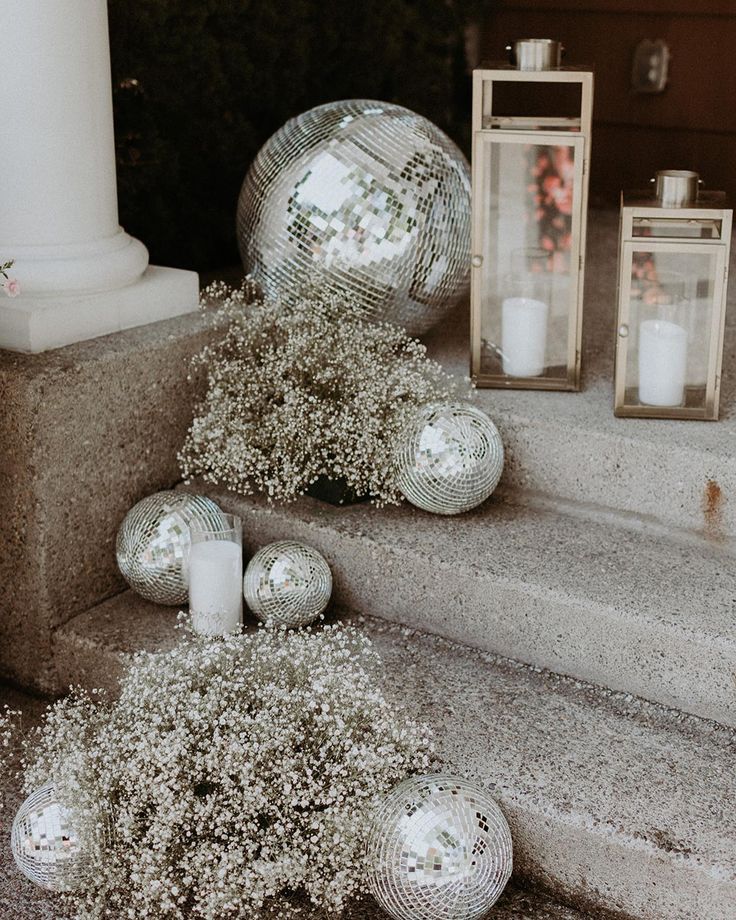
pixel 233 775
pixel 9 722
pixel 301 391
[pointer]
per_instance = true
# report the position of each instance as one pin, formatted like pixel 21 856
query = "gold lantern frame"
pixel 643 209
pixel 573 131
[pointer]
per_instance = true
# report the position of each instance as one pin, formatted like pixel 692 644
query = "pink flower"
pixel 11 287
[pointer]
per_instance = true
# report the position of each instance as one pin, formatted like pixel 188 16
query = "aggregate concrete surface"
pixel 614 803
pixel 88 430
pixel 632 609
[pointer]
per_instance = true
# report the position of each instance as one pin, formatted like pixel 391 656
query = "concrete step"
pixel 615 804
pixel 628 609
pixel 85 432
pixel 569 445
pixel 21 900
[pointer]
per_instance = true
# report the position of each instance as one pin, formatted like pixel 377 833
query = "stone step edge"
pixel 534 820
pixel 694 670
pixel 625 522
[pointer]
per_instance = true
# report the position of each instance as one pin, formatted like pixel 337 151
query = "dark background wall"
pixel 691 125
pixel 199 85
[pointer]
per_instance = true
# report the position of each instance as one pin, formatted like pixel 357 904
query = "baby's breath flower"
pixel 9 725
pixel 296 391
pixel 230 777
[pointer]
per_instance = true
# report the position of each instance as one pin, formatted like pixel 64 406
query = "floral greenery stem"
pixel 305 389
pixel 11 286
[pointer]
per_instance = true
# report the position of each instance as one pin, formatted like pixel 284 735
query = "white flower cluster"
pixel 230 775
pixel 301 390
pixel 9 721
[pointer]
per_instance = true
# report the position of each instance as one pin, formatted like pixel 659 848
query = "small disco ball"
pixel 287 584
pixel 45 845
pixel 449 458
pixel 369 201
pixel 438 849
pixel 153 543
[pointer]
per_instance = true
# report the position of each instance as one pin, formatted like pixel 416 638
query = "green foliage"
pixel 200 85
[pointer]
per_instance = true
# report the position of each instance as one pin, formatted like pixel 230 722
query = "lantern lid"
pixel 647 200
pixel 535 54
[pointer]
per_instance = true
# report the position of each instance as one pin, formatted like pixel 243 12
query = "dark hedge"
pixel 199 85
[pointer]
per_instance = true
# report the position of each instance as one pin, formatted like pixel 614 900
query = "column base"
pixel 34 324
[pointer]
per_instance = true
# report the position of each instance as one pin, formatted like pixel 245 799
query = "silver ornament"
pixel 366 199
pixel 287 584
pixel 449 458
pixel 153 543
pixel 45 845
pixel 438 849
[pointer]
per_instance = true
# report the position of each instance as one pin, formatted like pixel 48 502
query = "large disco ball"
pixel 45 844
pixel 153 543
pixel 287 584
pixel 438 849
pixel 366 199
pixel 449 458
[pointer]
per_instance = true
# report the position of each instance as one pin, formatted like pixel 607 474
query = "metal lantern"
pixel 673 273
pixel 531 154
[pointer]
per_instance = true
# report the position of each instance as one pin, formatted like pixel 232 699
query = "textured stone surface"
pixel 569 445
pixel 21 900
pixel 628 609
pixel 613 803
pixel 85 432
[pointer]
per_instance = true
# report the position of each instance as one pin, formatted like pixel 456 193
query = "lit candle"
pixel 524 336
pixel 216 587
pixel 662 363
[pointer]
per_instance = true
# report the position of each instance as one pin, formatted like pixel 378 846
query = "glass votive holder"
pixel 216 577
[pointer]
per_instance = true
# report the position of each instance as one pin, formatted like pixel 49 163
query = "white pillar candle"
pixel 524 336
pixel 662 363
pixel 216 587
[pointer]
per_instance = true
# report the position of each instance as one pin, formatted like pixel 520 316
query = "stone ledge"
pixel 86 430
pixel 628 609
pixel 614 804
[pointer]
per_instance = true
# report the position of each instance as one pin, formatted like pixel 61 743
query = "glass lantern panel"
pixel 673 296
pixel 530 270
pixel 677 228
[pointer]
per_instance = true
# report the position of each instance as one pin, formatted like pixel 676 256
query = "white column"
pixel 80 274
